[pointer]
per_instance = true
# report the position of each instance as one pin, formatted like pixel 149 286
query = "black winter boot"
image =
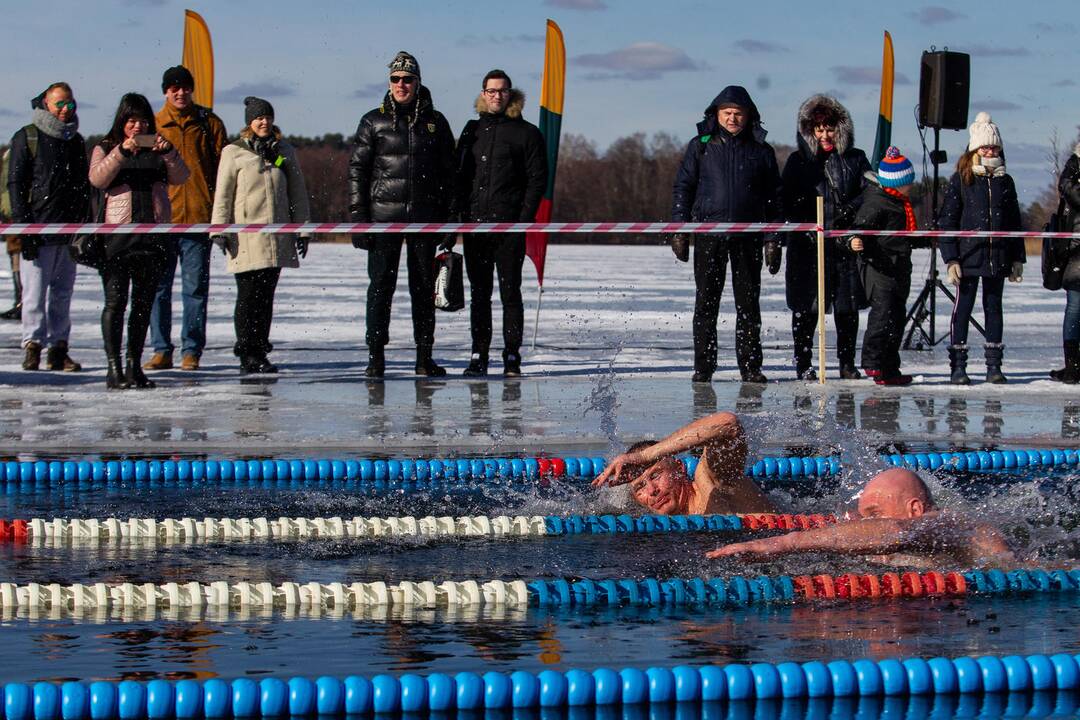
pixel 478 365
pixel 115 379
pixel 425 366
pixel 376 363
pixel 1072 348
pixel 958 357
pixel 511 364
pixel 994 353
pixel 15 313
pixel 136 378
pixel 1070 374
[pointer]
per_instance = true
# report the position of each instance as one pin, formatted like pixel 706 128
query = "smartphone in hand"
pixel 146 141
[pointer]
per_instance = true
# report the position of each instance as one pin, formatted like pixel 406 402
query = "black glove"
pixel 361 242
pixel 680 245
pixel 30 246
pixel 448 242
pixel 772 256
pixel 302 245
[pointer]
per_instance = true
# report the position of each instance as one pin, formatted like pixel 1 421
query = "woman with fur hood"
pixel 826 163
pixel 259 181
pixel 980 196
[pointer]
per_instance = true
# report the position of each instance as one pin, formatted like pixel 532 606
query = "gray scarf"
pixel 51 125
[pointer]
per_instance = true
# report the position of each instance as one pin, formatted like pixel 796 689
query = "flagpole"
pixel 536 324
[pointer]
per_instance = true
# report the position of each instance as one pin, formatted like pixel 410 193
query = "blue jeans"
pixel 193 254
pixel 1070 331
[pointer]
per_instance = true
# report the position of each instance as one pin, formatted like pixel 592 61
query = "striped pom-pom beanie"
pixel 895 170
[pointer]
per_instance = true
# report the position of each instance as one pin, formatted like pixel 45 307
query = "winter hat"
pixel 983 132
pixel 895 170
pixel 255 108
pixel 404 62
pixel 177 75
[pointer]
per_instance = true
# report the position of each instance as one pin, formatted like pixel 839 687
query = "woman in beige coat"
pixel 259 181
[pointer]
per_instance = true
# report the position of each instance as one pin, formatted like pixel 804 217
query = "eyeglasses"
pixel 180 88
pixel 494 92
pixel 402 79
pixel 61 104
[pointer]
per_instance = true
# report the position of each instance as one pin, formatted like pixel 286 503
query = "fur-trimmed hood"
pixel 1076 150
pixel 845 129
pixel 514 107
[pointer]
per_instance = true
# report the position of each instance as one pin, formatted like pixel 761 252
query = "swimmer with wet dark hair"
pixel 898 524
pixel 658 480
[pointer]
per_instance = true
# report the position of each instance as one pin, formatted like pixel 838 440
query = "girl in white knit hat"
pixel 980 196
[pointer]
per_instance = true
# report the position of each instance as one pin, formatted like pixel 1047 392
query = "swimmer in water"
pixel 659 481
pixel 898 525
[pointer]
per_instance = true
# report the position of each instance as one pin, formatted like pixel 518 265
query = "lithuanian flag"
pixel 552 89
pixel 199 57
pixel 884 122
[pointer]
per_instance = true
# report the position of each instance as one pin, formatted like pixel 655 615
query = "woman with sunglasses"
pixel 133 165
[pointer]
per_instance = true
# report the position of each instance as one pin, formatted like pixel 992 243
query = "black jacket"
pixel 53 186
pixel 840 177
pixel 988 203
pixel 502 167
pixel 890 254
pixel 402 168
pixel 1069 189
pixel 725 177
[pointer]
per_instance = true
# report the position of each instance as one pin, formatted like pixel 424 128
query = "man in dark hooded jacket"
pixel 48 182
pixel 402 170
pixel 501 176
pixel 728 174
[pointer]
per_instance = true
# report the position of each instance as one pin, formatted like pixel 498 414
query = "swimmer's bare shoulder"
pixel 720 481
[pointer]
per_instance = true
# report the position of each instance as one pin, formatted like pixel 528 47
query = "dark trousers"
pixel 711 256
pixel 803 326
pixel 992 289
pixel 254 311
pixel 887 293
pixel 484 255
pixel 135 272
pixel 384 257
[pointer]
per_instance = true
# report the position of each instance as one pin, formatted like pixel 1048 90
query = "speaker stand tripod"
pixel 921 318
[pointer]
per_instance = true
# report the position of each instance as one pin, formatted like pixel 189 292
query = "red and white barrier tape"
pixel 952 233
pixel 402 228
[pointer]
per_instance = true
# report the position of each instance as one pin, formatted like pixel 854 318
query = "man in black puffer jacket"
pixel 502 173
pixel 728 174
pixel 402 170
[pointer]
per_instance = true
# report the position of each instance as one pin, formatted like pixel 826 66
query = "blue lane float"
pixel 364 471
pixel 410 693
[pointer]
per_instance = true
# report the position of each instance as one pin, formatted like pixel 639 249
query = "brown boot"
pixel 58 359
pixel 32 356
pixel 189 362
pixel 159 361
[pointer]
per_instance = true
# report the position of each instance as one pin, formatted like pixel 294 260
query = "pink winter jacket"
pixel 104 169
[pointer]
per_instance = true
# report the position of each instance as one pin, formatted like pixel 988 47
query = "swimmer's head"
pixel 664 487
pixel 896 494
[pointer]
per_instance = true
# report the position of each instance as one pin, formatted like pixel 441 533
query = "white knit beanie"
pixel 983 132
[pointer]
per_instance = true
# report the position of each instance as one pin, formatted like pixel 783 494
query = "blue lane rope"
pixel 439 692
pixel 255 471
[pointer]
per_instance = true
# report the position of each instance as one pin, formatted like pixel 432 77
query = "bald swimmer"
pixel 898 524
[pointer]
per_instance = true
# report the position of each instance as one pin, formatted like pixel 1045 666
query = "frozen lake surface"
pixel 613 360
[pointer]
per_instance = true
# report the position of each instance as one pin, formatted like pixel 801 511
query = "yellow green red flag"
pixel 884 123
pixel 552 90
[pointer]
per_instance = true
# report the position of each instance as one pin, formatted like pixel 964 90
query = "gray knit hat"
pixel 255 108
pixel 406 63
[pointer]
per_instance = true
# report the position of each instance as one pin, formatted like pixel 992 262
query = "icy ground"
pixel 612 363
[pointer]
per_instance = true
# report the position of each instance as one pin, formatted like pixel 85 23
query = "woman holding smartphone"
pixel 133 165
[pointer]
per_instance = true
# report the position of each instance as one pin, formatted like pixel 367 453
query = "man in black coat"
pixel 402 170
pixel 502 173
pixel 48 182
pixel 728 174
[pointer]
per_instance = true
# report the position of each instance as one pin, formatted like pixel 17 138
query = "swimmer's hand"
pixel 751 550
pixel 620 471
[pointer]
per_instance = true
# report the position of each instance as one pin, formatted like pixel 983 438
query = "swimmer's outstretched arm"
pixel 861 537
pixel 703 432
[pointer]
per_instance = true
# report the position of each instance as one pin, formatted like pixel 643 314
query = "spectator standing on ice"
pixel 502 173
pixel 259 181
pixel 1068 257
pixel 826 163
pixel 980 196
pixel 199 135
pixel 135 179
pixel 12 243
pixel 728 174
pixel 886 265
pixel 402 170
pixel 47 183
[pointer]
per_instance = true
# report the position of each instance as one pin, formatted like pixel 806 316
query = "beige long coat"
pixel 253 190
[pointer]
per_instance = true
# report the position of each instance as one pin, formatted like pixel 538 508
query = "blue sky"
pixel 633 65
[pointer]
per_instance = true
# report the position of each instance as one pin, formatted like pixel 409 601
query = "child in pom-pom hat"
pixel 885 262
